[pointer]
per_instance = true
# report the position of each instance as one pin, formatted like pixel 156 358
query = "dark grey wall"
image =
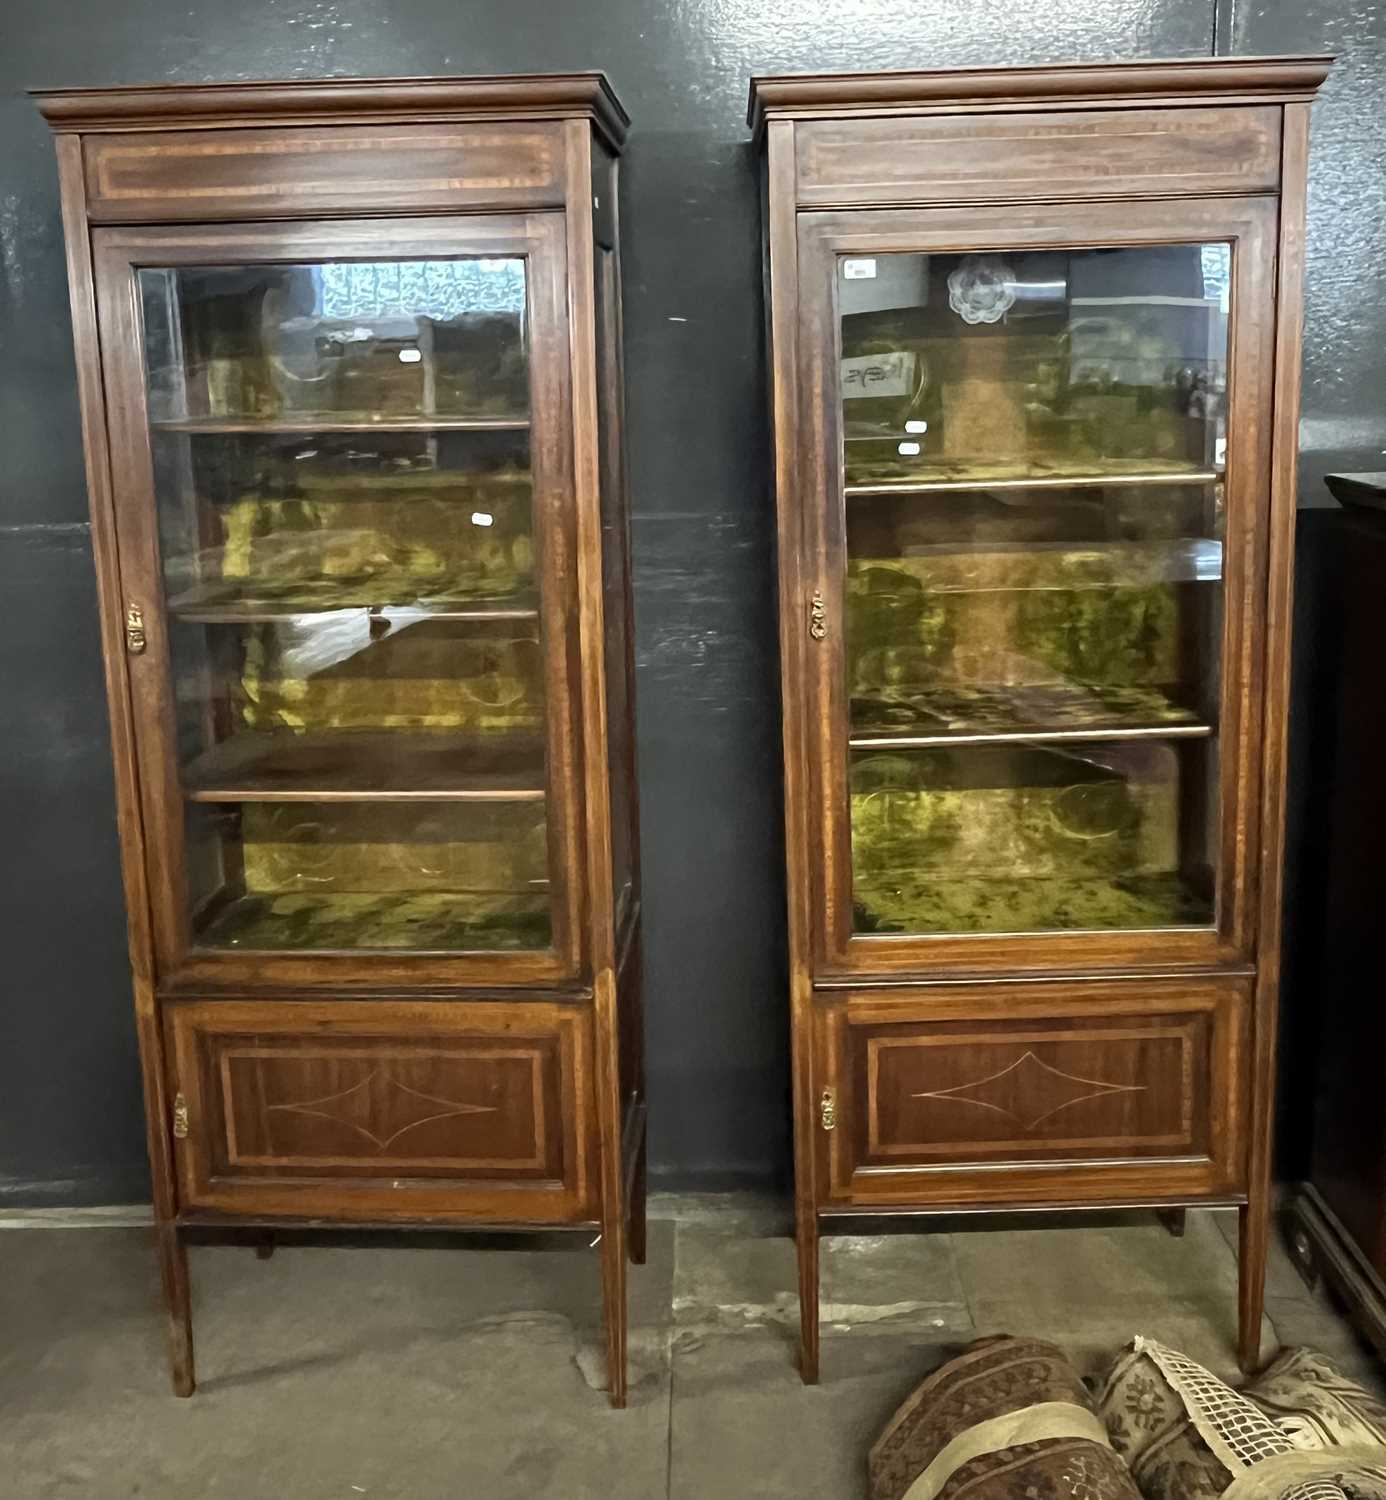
pixel 69 1113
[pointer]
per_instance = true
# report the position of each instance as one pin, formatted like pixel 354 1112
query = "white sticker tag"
pixel 879 375
pixel 859 270
pixel 907 450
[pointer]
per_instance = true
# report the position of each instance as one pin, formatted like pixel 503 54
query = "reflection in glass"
pixel 348 875
pixel 342 470
pixel 1033 449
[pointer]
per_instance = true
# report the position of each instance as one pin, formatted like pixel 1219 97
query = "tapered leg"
pixel 264 1246
pixel 614 1295
pixel 1175 1220
pixel 173 1264
pixel 1255 1230
pixel 637 1207
pixel 807 1238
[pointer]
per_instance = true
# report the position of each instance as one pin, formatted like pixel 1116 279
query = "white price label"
pixel 879 375
pixel 859 270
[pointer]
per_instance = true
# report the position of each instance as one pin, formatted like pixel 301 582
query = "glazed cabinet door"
pixel 343 464
pixel 1118 1092
pixel 361 1109
pixel 1034 459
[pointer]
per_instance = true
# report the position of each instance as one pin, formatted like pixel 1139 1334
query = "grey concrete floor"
pixel 421 1371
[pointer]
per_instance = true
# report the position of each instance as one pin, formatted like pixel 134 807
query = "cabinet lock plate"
pixel 135 641
pixel 827 1109
pixel 180 1118
pixel 818 616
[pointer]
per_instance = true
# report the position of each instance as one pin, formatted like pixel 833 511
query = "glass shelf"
pixel 376 767
pixel 328 422
pixel 215 604
pixel 944 480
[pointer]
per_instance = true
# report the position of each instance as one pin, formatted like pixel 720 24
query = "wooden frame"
pixel 270 172
pixel 1119 154
pixel 1248 224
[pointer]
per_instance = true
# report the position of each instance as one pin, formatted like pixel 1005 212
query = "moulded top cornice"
pixel 337 101
pixel 1047 86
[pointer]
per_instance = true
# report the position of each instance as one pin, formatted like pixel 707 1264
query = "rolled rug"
pixel 1008 1419
pixel 1187 1435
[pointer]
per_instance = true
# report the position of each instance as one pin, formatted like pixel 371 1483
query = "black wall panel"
pixel 709 737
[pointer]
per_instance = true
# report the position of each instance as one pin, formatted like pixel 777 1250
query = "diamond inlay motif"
pixel 381 1109
pixel 1030 1091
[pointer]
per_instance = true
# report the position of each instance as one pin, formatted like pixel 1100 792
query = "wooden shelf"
pixel 329 423
pixel 1045 480
pixel 376 767
pixel 206 607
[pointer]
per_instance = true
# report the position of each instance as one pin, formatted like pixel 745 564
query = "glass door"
pixel 341 476
pixel 1040 459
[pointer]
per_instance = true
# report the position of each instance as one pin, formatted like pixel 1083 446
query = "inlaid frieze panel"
pixel 199 175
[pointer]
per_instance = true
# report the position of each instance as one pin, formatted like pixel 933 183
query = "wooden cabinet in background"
pixel 1337 1218
pixel 1034 382
pixel 349 356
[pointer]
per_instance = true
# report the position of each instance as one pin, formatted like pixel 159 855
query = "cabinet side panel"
pixel 1278 617
pixel 616 583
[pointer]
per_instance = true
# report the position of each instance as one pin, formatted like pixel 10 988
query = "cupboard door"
pixel 343 476
pixel 398 1110
pixel 1035 451
pixel 1025 1093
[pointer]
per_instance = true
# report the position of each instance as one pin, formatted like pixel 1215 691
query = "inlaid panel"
pixel 199 175
pixel 970 1092
pixel 985 1093
pixel 408 1106
pixel 1071 154
pixel 369 1107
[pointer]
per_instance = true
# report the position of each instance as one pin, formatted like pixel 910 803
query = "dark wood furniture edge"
pixel 632 1134
pixel 907 979
pixel 945 1208
pixel 336 101
pixel 1172 81
pixel 461 1223
pixel 1320 1245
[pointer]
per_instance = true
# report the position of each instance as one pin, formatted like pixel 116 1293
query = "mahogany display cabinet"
pixel 1035 385
pixel 349 356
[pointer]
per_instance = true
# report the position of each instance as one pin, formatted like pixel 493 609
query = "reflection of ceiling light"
pixel 916 426
pixel 409 356
pixel 908 450
pixel 480 518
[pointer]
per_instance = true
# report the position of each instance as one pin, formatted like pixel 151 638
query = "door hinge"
pixel 818 616
pixel 180 1118
pixel 134 630
pixel 827 1109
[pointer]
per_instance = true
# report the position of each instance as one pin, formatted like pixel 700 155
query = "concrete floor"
pixel 429 1371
